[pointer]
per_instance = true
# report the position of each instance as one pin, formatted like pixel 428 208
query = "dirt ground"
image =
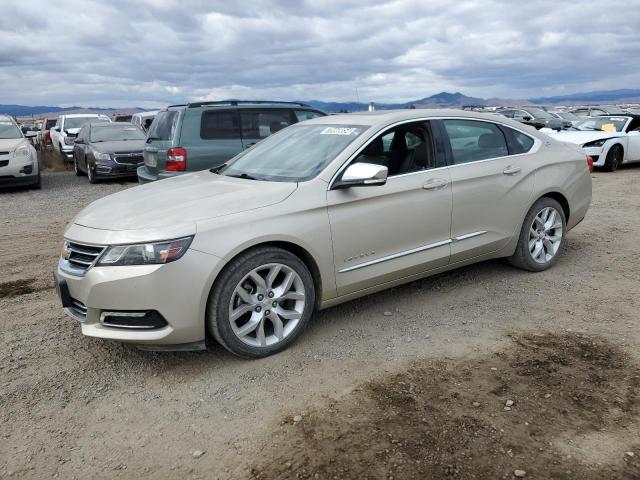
pixel 412 382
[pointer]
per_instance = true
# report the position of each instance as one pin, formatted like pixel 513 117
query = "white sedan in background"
pixel 610 140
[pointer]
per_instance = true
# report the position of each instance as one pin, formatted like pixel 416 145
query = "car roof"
pixel 382 118
pixel 76 115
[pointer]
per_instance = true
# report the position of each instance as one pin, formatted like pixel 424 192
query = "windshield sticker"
pixel 338 131
pixel 608 127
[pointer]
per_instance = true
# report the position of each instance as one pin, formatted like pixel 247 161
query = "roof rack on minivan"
pixel 244 102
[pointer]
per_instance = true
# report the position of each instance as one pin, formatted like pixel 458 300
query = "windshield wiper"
pixel 242 175
pixel 218 168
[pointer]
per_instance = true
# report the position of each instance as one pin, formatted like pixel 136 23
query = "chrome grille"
pixel 133 158
pixel 77 258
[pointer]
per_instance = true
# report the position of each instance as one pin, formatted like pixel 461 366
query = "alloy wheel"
pixel 267 305
pixel 545 235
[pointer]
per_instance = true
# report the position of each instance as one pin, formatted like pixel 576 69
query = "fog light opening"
pixel 133 320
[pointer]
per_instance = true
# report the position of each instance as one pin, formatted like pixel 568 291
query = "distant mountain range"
pixel 440 100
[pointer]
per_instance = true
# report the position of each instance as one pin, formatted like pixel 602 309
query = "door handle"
pixel 512 170
pixel 435 183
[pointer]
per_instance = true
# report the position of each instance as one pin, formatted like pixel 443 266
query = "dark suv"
pixel 197 136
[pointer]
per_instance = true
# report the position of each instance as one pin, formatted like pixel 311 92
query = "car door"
pixel 259 123
pixel 492 181
pixel 402 228
pixel 633 141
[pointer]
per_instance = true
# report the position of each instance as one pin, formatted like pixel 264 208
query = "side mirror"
pixel 362 175
pixel 30 134
pixel 79 141
pixel 526 119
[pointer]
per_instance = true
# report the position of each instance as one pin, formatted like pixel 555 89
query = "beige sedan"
pixel 320 213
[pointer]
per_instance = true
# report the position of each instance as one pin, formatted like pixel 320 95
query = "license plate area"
pixel 151 159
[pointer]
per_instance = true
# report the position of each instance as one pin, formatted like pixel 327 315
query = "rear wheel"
pixel 261 302
pixel 76 167
pixel 614 158
pixel 541 237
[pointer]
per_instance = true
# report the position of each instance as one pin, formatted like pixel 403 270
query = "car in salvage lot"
pixel 610 140
pixel 317 214
pixel 108 150
pixel 64 132
pixel 187 138
pixel 18 158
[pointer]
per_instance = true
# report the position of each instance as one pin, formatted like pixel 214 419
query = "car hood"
pixel 119 146
pixel 8 144
pixel 582 137
pixel 181 200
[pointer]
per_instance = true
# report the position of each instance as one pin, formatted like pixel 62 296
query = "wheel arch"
pixel 302 253
pixel 561 199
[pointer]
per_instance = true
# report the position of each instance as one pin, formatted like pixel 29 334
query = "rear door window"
pixel 219 125
pixel 165 126
pixel 473 140
pixel 259 124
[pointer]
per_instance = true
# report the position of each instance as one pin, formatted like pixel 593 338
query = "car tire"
pixel 91 174
pixel 614 158
pixel 272 294
pixel 76 167
pixel 541 237
pixel 37 185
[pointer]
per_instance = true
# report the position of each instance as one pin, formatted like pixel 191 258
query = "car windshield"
pixel 605 124
pixel 295 154
pixel 79 122
pixel 108 133
pixel 569 116
pixel 9 130
pixel 539 113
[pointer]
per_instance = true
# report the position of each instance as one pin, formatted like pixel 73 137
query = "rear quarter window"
pixel 518 142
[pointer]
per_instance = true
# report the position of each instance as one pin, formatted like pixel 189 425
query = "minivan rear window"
pixel 164 125
pixel 219 125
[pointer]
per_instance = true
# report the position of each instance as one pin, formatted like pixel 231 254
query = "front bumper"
pixel 178 291
pixel 115 169
pixel 19 172
pixel 596 154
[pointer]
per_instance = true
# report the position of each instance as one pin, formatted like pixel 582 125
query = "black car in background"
pixel 103 150
pixel 536 117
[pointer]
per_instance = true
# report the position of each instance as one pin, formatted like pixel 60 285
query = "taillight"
pixel 176 160
pixel 590 163
pixel 47 136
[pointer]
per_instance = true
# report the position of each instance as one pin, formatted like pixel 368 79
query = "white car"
pixel 66 130
pixel 18 158
pixel 610 140
pixel 144 119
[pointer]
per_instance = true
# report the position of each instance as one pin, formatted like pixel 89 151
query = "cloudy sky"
pixel 155 52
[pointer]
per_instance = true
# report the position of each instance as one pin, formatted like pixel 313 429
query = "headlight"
pixel 146 253
pixel 596 143
pixel 21 152
pixel 69 140
pixel 101 156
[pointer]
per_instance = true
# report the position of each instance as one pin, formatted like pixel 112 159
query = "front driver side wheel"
pixel 261 302
pixel 541 237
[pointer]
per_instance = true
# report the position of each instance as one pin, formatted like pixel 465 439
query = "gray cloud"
pixel 155 52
